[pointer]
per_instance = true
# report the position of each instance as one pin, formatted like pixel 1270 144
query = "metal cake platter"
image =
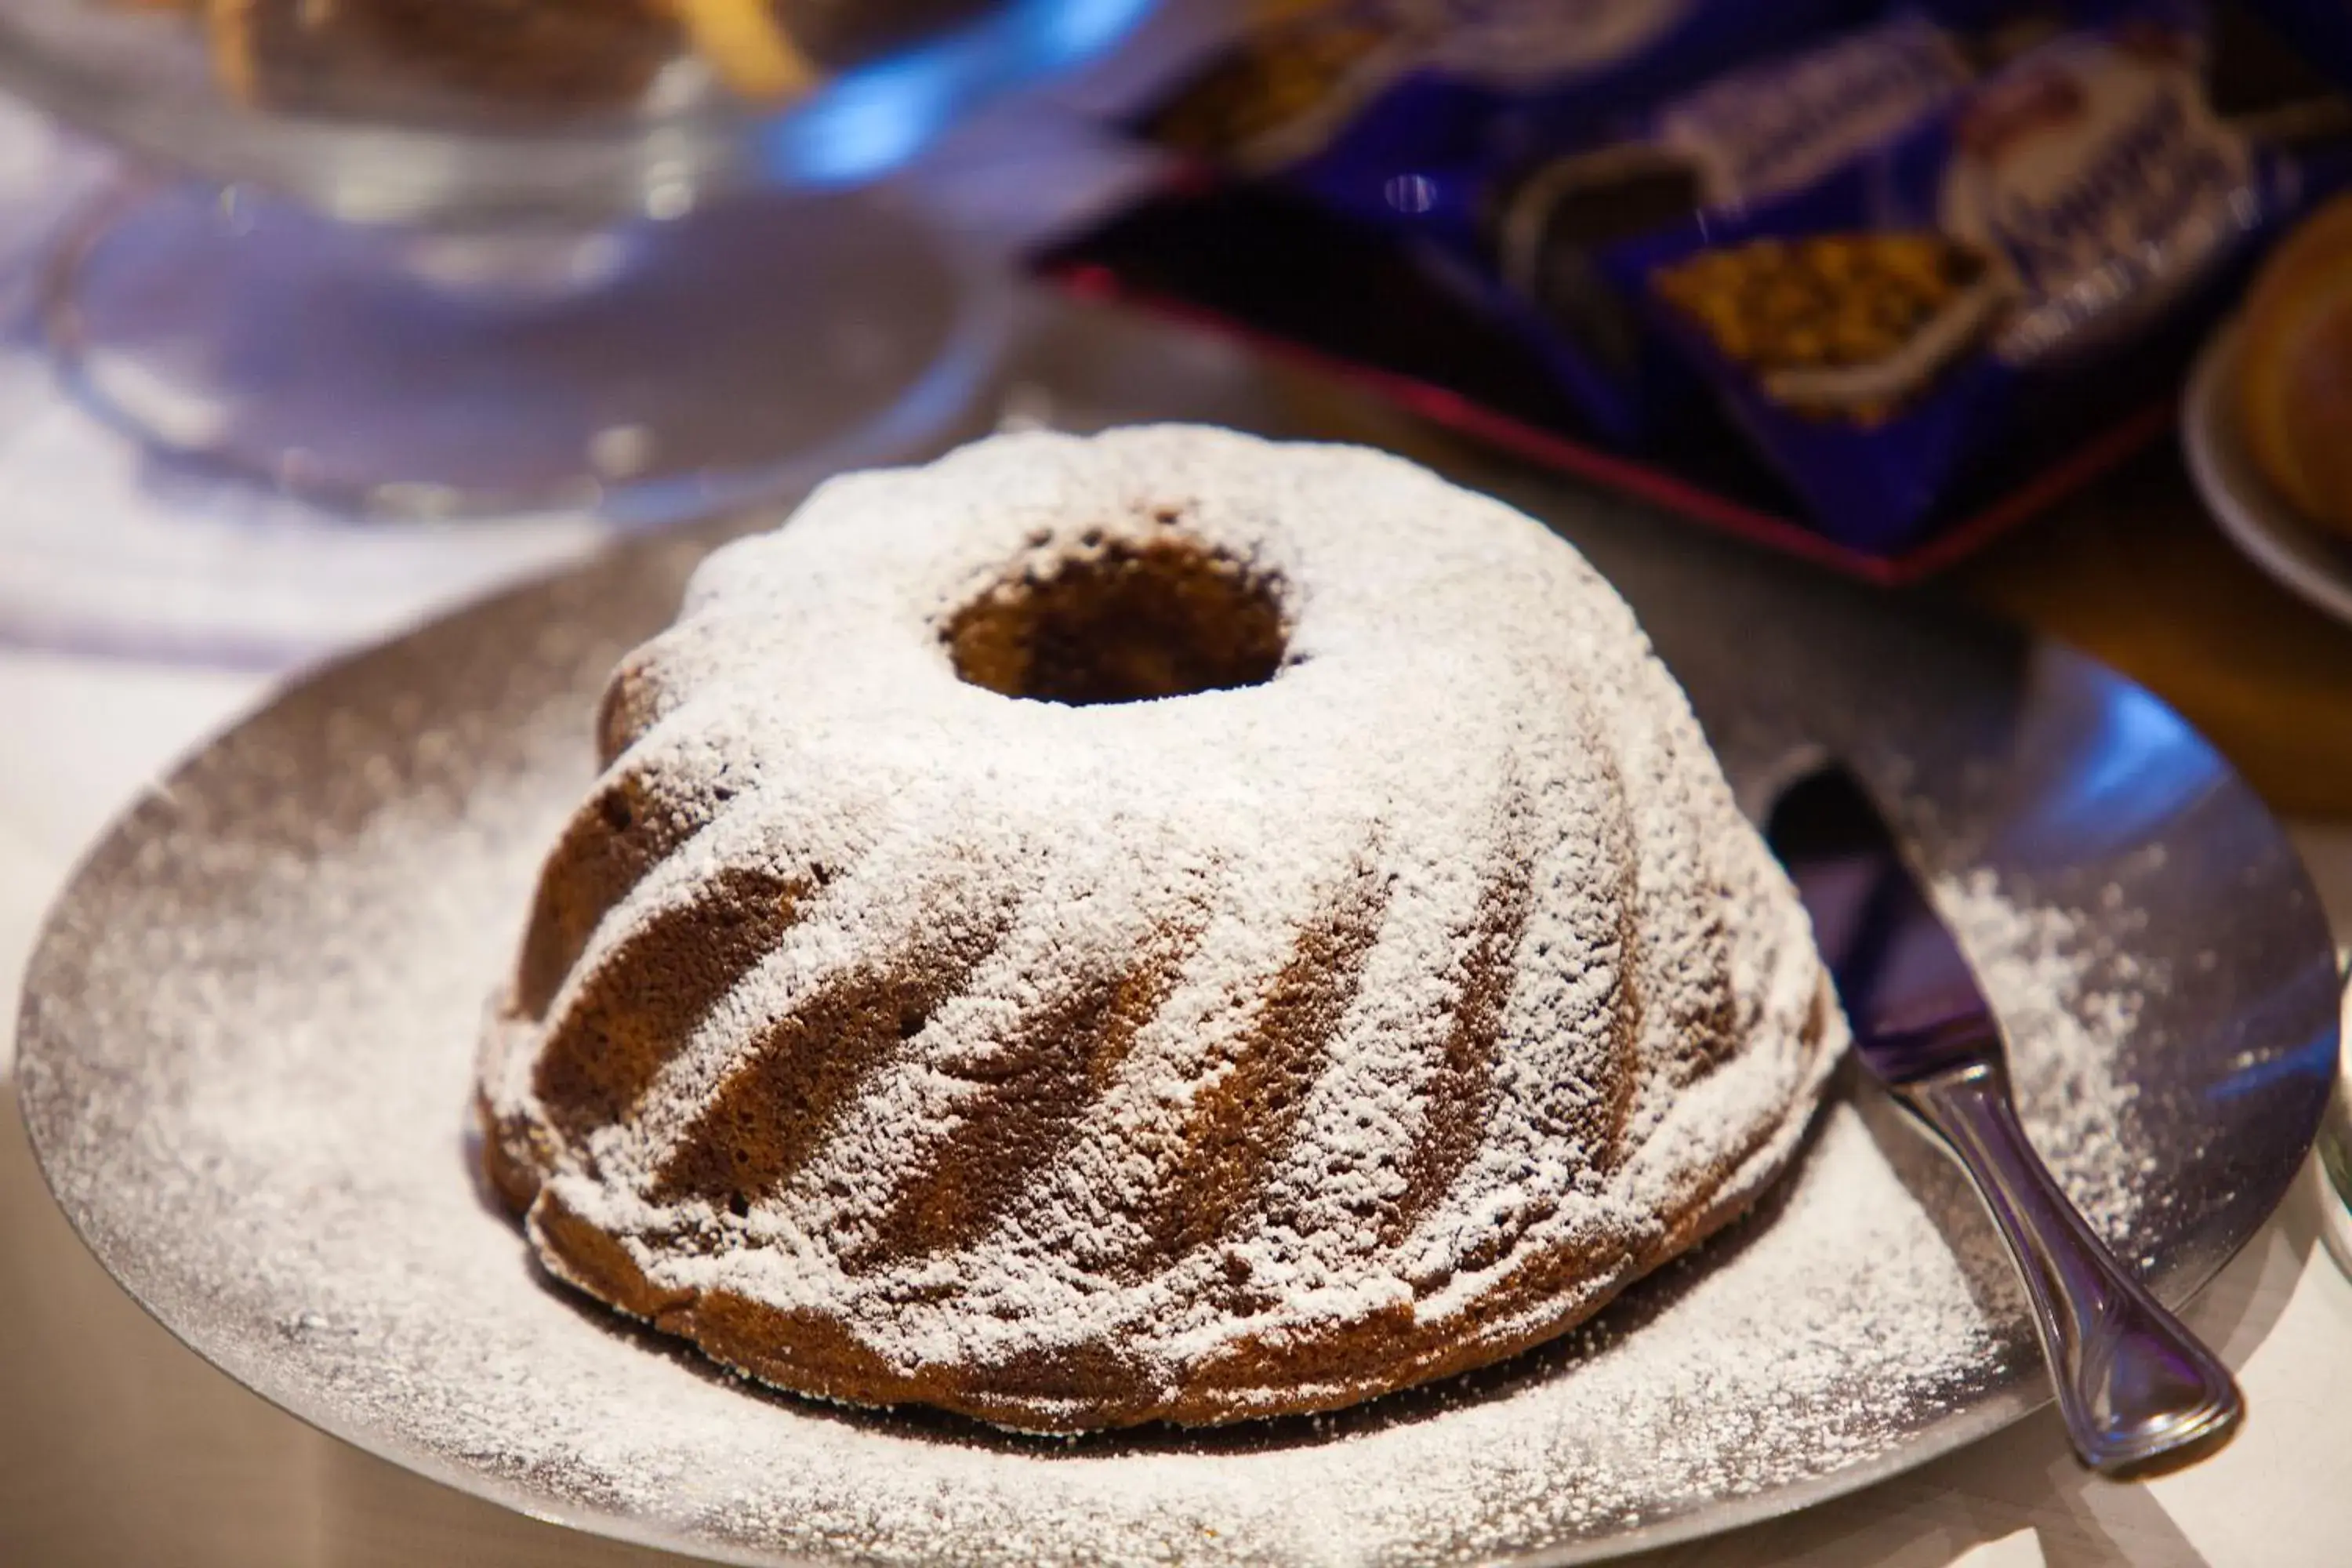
pixel 247 1042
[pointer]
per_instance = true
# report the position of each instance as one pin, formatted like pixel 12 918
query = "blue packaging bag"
pixel 1876 333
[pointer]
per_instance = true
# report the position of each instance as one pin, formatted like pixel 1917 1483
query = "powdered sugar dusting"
pixel 2062 1025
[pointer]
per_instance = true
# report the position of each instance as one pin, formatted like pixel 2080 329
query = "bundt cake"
pixel 1162 926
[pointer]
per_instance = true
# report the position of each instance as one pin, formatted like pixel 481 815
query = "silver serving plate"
pixel 339 881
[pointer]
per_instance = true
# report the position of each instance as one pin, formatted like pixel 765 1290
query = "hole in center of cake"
pixel 1121 622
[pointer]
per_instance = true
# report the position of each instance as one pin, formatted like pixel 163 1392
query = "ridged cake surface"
pixel 1162 925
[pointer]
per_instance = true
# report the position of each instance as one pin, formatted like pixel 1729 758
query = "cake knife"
pixel 2135 1385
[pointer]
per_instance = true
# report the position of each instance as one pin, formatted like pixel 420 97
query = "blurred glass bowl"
pixel 463 257
pixel 401 124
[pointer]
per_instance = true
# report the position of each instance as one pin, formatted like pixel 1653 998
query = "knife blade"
pixel 2137 1389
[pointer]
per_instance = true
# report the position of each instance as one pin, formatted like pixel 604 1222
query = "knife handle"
pixel 2133 1384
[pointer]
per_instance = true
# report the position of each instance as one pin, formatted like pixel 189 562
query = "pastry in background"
pixel 419 60
pixel 748 47
pixel 2294 368
pixel 410 59
pixel 1841 326
pixel 769 49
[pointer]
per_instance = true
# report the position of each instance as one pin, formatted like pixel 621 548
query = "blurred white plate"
pixel 2298 554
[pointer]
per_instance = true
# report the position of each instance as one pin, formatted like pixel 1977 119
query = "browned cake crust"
pixel 1128 625
pixel 1378 1353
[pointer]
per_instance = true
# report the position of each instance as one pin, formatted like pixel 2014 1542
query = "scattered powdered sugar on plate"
pixel 247 1064
pixel 2064 1028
